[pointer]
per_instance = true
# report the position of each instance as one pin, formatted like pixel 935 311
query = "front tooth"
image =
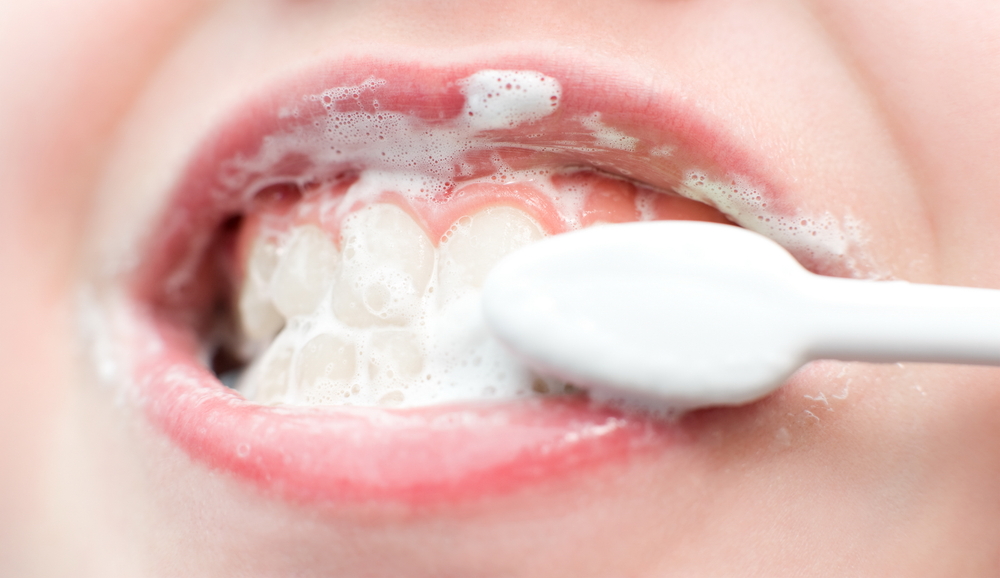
pixel 305 271
pixel 387 263
pixel 325 365
pixel 259 320
pixel 474 244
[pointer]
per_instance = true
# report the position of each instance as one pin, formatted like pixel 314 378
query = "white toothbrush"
pixel 687 314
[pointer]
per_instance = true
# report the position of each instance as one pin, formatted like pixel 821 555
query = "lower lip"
pixel 418 456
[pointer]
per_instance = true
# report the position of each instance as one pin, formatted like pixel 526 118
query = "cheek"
pixel 925 69
pixel 73 84
pixel 67 83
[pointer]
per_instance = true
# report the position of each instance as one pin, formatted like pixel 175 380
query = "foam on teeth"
pixel 388 261
pixel 324 362
pixel 382 332
pixel 474 244
pixel 304 272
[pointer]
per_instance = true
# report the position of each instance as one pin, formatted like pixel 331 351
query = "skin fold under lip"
pixel 433 455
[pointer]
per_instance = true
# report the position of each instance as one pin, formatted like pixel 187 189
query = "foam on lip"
pixel 813 240
pixel 423 158
pixel 607 136
pixel 357 132
pixel 496 99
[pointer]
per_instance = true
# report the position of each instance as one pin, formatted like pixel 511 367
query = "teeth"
pixel 259 319
pixel 267 380
pixel 473 245
pixel 392 399
pixel 305 272
pixel 388 261
pixel 382 341
pixel 395 359
pixel 395 355
pixel 325 363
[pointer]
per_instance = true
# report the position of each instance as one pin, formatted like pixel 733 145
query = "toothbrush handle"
pixel 891 321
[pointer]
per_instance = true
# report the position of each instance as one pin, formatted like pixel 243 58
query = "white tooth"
pixel 259 319
pixel 304 273
pixel 393 398
pixel 380 286
pixel 387 263
pixel 395 355
pixel 473 245
pixel 325 365
pixel 267 379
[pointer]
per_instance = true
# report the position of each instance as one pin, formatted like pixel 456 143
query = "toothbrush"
pixel 686 314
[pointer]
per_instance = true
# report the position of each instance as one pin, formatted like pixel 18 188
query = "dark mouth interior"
pixel 220 335
pixel 216 326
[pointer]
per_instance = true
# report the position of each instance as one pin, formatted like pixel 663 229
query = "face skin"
pixel 877 111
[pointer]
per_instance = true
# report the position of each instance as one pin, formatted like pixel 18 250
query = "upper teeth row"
pixel 388 319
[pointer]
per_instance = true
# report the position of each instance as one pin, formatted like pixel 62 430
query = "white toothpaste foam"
pixel 498 99
pixel 813 239
pixel 606 136
pixel 400 323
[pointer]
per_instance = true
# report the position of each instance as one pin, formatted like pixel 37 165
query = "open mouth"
pixel 323 253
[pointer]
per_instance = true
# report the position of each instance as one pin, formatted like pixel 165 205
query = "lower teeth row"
pixel 387 320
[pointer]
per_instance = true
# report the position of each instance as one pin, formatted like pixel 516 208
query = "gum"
pixel 557 200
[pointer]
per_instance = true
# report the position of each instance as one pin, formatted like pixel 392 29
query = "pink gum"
pixel 605 199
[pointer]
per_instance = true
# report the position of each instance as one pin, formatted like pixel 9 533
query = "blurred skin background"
pixel 889 109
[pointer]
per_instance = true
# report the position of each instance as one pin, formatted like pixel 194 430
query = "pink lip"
pixel 415 456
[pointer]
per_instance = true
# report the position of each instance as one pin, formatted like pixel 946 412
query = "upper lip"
pixel 434 453
pixel 210 190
